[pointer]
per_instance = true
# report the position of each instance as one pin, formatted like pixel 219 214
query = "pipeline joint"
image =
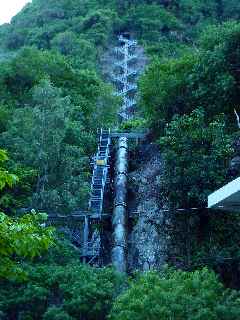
pixel 120 204
pixel 122 173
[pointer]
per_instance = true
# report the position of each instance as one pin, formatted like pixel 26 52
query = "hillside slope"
pixel 53 98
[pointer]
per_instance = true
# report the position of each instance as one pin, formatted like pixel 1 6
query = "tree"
pixel 196 156
pixel 177 295
pixel 66 43
pixel 231 9
pixel 47 138
pixel 50 120
pixel 81 52
pixel 207 79
pixel 27 68
pixel 25 237
pixel 6 179
pixel 163 89
pixel 61 292
pixel 19 238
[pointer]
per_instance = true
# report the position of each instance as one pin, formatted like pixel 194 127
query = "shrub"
pixel 61 292
pixel 177 295
pixel 196 155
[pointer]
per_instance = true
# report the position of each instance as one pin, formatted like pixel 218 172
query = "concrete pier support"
pixel 119 251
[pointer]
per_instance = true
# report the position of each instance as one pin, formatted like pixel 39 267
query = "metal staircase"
pixel 100 179
pixel 100 174
pixel 125 75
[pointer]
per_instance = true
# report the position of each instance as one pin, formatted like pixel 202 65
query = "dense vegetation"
pixel 176 295
pixel 53 98
pixel 62 43
pixel 189 102
pixel 20 238
pixel 50 115
pixel 58 287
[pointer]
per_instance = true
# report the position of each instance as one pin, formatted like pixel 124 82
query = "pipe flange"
pixel 123 246
pixel 122 172
pixel 122 147
pixel 120 204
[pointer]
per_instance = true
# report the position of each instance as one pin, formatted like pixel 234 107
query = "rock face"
pixel 147 235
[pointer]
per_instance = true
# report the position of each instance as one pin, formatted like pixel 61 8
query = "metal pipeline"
pixel 119 258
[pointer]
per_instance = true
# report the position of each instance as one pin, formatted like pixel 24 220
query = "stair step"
pixel 98 177
pixel 95 206
pixel 96 192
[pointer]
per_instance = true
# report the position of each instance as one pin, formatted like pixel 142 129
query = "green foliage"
pixel 216 35
pixel 31 66
pixel 231 9
pixel 51 103
pixel 81 52
pixel 20 238
pixel 45 145
pixel 67 291
pixel 137 124
pixel 19 194
pixel 28 68
pixel 196 144
pixel 66 43
pixel 95 25
pixel 208 79
pixel 196 155
pixel 4 118
pixel 53 129
pixel 214 242
pixel 64 24
pixel 163 89
pixel 56 313
pixel 151 21
pixel 176 295
pixel 24 237
pixel 6 179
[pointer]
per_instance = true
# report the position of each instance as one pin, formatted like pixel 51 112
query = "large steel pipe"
pixel 120 212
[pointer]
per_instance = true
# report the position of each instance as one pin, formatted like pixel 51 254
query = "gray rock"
pixel 148 240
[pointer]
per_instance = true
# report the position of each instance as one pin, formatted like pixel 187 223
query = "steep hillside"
pixel 83 28
pixel 55 94
pixel 64 41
